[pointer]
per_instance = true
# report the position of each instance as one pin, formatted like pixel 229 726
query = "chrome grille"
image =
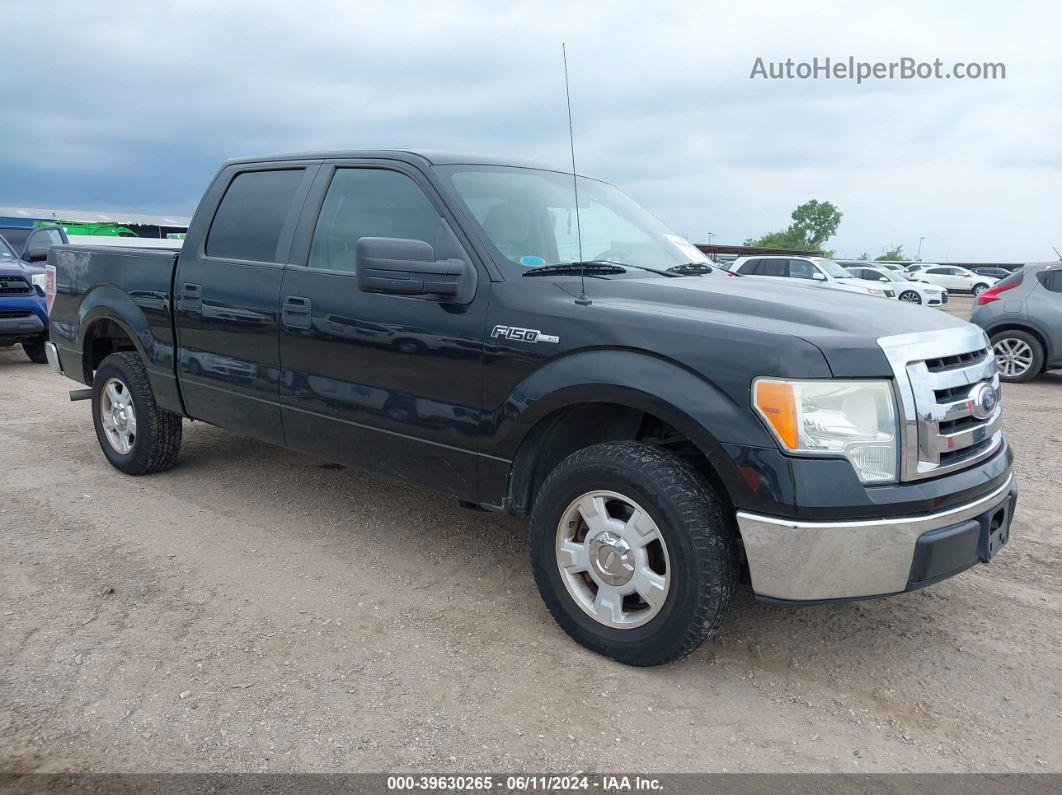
pixel 936 375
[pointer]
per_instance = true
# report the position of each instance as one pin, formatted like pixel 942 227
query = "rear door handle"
pixel 295 312
pixel 191 297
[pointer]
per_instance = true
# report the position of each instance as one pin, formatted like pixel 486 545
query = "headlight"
pixel 855 419
pixel 40 280
pixel 875 291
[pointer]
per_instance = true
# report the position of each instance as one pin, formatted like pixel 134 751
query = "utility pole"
pixel 918 256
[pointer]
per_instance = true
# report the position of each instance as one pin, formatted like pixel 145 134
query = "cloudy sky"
pixel 133 108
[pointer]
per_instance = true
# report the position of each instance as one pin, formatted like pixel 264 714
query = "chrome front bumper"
pixel 825 561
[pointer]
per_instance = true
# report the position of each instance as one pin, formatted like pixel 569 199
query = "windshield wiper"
pixel 692 269
pixel 594 267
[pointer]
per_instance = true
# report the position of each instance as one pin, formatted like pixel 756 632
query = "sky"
pixel 135 108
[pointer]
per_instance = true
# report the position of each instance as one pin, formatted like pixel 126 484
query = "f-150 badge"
pixel 522 334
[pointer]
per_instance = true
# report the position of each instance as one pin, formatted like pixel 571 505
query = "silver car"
pixel 1022 315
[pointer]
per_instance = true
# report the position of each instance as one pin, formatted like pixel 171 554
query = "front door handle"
pixel 191 297
pixel 295 312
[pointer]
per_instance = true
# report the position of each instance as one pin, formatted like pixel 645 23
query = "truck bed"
pixel 129 287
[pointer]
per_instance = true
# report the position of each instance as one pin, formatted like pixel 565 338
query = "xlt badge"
pixel 522 334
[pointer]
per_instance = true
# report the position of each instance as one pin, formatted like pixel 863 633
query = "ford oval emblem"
pixel 984 401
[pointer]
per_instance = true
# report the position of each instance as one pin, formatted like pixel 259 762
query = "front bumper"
pixel 793 561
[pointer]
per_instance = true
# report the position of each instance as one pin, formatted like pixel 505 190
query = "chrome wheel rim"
pixel 911 297
pixel 980 288
pixel 118 416
pixel 613 560
pixel 1014 357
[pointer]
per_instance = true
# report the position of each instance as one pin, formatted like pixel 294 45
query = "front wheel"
pixel 136 436
pixel 35 352
pixel 911 297
pixel 633 552
pixel 978 289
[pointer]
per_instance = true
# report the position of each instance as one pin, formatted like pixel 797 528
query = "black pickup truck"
pixel 464 324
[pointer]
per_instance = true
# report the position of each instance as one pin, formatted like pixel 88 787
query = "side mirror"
pixel 36 254
pixel 819 277
pixel 398 266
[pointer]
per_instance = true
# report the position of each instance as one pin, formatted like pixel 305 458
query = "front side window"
pixel 802 269
pixel 367 202
pixel 248 221
pixel 832 268
pixel 529 217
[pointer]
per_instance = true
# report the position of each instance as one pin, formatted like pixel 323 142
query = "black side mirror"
pixel 405 267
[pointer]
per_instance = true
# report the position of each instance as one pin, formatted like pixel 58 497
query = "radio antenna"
pixel 582 299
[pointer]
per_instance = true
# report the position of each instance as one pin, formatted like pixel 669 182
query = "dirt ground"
pixel 257 610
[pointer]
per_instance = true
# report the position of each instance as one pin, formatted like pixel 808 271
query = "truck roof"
pixel 409 155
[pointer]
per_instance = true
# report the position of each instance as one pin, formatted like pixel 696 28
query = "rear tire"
pixel 1019 356
pixel 693 570
pixel 136 436
pixel 35 352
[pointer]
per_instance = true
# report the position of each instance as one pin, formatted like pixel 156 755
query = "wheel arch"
pixel 603 398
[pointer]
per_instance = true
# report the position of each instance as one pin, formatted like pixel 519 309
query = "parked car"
pixel 817 271
pixel 1022 315
pixel 911 271
pixel 31 243
pixel 911 292
pixel 955 279
pixel 23 306
pixel 995 273
pixel 660 430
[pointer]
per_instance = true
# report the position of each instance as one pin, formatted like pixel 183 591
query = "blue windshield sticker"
pixel 532 262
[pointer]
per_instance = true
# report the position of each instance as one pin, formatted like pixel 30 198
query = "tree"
pixel 893 253
pixel 814 223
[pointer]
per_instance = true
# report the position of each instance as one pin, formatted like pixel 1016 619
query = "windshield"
pixel 6 252
pixel 529 217
pixel 832 268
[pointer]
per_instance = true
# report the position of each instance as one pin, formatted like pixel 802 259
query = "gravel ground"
pixel 257 610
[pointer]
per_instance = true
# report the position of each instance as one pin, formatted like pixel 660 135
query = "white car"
pixel 954 279
pixel 811 270
pixel 911 292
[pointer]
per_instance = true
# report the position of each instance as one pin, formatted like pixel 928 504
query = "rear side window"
pixel 248 221
pixel 773 267
pixel 1050 279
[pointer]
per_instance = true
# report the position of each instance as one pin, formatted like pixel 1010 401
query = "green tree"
pixel 814 223
pixel 894 252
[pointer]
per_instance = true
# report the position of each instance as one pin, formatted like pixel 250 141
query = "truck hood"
pixel 844 326
pixel 18 268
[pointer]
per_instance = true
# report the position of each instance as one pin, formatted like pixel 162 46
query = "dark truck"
pixel 463 324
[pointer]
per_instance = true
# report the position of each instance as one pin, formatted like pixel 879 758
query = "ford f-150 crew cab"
pixel 464 325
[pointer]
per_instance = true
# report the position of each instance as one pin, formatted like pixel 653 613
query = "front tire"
pixel 1019 356
pixel 910 297
pixel 978 289
pixel 136 436
pixel 633 552
pixel 35 352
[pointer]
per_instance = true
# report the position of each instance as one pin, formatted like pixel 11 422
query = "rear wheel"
pixel 911 297
pixel 35 351
pixel 632 552
pixel 1019 355
pixel 136 436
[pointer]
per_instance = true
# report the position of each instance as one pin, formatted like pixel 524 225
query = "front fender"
pixel 685 400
